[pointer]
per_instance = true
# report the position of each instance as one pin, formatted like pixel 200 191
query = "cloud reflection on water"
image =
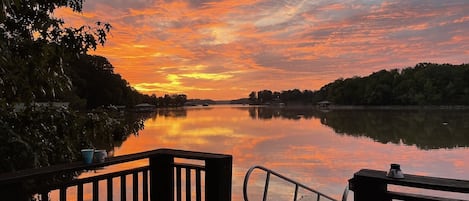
pixel 302 148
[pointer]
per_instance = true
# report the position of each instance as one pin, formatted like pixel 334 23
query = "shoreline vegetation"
pixel 374 107
pixel 399 107
pixel 426 84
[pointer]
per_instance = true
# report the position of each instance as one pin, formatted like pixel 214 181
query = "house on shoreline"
pixel 144 107
pixel 323 104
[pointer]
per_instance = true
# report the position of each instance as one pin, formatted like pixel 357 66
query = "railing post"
pixel 368 189
pixel 162 177
pixel 218 176
pixel 14 191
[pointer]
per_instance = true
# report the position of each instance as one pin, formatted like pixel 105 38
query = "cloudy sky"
pixel 224 49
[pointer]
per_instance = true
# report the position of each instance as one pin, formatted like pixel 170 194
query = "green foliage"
pixel 174 100
pixel 425 84
pixel 30 138
pixel 95 82
pixel 289 96
pixel 36 48
pixel 252 97
pixel 41 136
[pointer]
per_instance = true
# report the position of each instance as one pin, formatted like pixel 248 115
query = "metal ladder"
pixel 269 172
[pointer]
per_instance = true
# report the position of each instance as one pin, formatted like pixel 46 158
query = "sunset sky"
pixel 224 49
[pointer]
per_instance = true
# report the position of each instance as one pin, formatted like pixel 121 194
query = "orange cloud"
pixel 252 45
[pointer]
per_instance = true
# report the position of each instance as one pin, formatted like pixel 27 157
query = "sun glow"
pixel 193 47
pixel 207 76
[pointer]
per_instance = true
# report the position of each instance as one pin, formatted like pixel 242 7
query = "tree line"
pixel 424 84
pixel 289 96
pixel 96 84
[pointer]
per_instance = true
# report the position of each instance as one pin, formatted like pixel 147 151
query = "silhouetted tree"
pixel 424 84
pixel 253 97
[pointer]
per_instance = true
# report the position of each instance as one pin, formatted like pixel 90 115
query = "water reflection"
pixel 291 113
pixel 426 129
pixel 319 149
pixel 179 112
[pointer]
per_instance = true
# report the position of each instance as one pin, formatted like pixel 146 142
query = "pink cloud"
pixel 262 42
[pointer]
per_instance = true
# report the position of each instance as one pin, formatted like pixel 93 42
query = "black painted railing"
pixel 161 180
pixel 370 185
pixel 108 179
pixel 297 185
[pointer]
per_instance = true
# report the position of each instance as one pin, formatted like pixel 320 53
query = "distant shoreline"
pixel 398 107
pixel 369 107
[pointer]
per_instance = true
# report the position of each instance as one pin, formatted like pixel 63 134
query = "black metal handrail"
pixel 373 185
pixel 267 181
pixel 157 181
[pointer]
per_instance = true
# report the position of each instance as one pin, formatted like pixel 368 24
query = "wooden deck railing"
pixel 157 179
pixel 370 185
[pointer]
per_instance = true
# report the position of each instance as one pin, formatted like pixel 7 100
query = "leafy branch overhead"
pixel 37 52
pixel 36 48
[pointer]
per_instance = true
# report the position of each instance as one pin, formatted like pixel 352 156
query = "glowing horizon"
pixel 224 49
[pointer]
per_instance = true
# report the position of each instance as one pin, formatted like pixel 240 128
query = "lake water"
pixel 321 149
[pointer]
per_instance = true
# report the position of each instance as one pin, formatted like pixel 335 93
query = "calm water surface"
pixel 320 149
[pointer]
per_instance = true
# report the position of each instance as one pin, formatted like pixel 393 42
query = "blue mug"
pixel 87 155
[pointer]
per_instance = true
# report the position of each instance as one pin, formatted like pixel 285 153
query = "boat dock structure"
pixel 205 176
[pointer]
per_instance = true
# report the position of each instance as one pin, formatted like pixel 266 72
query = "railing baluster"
pixel 178 184
pixel 109 189
pixel 135 186
pixel 80 192
pixel 145 185
pixel 319 197
pixel 198 186
pixel 123 188
pixel 266 186
pixel 188 184
pixel 296 192
pixel 95 190
pixel 63 194
pixel 45 196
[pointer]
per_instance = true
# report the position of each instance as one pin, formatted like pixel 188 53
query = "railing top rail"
pixel 79 165
pixel 426 182
pixel 191 154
